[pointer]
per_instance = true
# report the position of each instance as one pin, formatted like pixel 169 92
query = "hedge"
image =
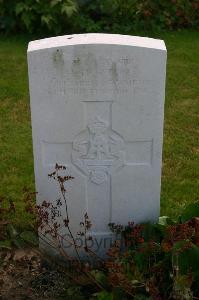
pixel 66 16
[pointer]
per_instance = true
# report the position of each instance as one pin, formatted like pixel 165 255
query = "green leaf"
pixel 47 20
pixel 74 292
pixel 6 244
pixel 20 7
pixel 186 258
pixel 68 9
pixel 151 232
pixel 27 19
pixel 118 294
pixel 29 237
pixel 191 211
pixel 100 277
pixel 165 220
pixel 12 232
pixel 55 2
pixel 19 243
pixel 104 296
pixel 141 261
pixel 196 278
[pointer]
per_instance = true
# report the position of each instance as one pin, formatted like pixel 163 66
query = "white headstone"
pixel 97 106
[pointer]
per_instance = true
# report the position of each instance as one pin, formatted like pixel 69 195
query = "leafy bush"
pixel 159 260
pixel 36 16
pixel 148 261
pixel 128 16
pixel 64 16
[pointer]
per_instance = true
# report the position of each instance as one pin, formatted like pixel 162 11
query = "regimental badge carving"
pixel 98 151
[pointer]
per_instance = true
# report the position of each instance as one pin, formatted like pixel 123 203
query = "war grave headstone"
pixel 97 107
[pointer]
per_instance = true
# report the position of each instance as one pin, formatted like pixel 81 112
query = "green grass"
pixel 180 180
pixel 180 183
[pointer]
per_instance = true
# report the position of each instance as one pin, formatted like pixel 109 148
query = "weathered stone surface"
pixel 97 103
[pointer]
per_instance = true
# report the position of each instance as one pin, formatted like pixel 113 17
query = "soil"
pixel 25 275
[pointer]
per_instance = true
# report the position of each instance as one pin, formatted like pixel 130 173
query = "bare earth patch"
pixel 23 276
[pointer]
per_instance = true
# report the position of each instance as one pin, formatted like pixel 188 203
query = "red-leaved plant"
pixel 149 261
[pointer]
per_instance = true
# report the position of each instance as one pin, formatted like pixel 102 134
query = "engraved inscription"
pixel 98 151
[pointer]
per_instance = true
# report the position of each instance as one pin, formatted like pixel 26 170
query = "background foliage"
pixel 64 16
pixel 35 16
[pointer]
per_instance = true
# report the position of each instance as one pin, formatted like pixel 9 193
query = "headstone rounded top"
pixel 96 38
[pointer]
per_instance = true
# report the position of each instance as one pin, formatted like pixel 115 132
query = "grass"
pixel 180 177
